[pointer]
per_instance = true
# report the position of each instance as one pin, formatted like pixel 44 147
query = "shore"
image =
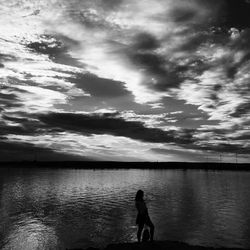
pixel 127 165
pixel 156 245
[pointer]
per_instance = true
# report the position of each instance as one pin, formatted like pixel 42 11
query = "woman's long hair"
pixel 139 195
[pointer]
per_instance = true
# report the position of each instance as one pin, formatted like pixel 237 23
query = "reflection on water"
pixel 29 234
pixel 55 209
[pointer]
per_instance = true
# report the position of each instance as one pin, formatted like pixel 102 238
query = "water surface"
pixel 67 208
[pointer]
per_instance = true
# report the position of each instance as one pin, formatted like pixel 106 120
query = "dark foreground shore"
pixel 156 245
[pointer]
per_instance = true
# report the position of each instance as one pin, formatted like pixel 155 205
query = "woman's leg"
pixel 152 228
pixel 140 227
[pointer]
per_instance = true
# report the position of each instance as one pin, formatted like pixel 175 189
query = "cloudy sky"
pixel 125 80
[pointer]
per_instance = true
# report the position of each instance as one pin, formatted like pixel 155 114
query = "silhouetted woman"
pixel 142 216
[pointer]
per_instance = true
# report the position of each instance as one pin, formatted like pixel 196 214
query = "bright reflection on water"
pixel 55 209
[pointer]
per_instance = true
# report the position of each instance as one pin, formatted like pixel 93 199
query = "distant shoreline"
pixel 127 165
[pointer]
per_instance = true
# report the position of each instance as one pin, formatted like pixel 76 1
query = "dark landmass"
pixel 126 165
pixel 157 245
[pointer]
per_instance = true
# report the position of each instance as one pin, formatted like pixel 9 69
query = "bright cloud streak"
pixel 115 148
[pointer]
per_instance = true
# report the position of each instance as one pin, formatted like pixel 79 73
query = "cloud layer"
pixel 172 73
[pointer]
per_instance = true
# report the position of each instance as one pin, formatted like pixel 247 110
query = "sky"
pixel 125 80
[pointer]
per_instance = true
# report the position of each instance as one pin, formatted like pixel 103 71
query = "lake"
pixel 70 208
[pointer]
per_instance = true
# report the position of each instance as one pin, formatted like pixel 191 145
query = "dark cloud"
pixel 7 58
pixel 8 99
pixel 241 110
pixel 225 14
pixel 232 135
pixel 160 73
pixel 202 149
pixel 214 97
pixel 99 87
pixel 114 125
pixel 50 48
pixel 240 44
pixel 226 148
pixel 217 87
pixel 231 71
pixel 244 137
pixel 220 36
pixel 19 151
pixel 16 119
pixel 194 14
pixel 145 41
pixel 163 72
pixel 23 125
pixel 56 48
pixel 183 15
pixel 218 132
pixel 153 63
pixel 191 44
pixel 219 147
pixel 14 130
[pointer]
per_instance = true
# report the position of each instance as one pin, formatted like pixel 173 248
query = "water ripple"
pixel 54 209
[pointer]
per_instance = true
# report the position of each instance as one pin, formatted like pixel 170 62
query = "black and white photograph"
pixel 124 124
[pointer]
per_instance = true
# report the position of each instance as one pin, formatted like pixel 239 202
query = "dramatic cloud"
pixel 111 124
pixel 152 74
pixel 99 87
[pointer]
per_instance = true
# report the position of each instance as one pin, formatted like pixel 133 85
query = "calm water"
pixel 55 209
